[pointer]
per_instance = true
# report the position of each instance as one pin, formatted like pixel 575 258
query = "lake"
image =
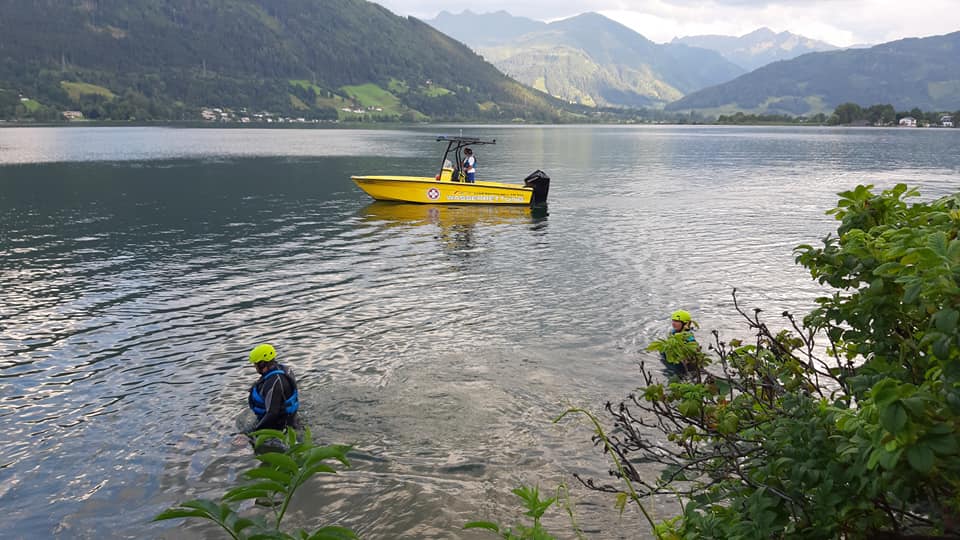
pixel 138 267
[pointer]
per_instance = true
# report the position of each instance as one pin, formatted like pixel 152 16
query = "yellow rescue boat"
pixel 450 186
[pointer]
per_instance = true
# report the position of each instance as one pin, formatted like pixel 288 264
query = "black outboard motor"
pixel 540 182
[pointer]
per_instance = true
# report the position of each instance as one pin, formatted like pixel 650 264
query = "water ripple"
pixel 439 340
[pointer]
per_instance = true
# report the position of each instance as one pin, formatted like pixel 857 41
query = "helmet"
pixel 680 315
pixel 263 353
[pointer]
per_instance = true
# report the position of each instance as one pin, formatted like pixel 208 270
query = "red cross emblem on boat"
pixel 433 193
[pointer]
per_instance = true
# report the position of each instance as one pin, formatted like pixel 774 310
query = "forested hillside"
pixel 915 72
pixel 164 59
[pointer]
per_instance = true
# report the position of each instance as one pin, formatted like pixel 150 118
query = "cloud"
pixel 840 22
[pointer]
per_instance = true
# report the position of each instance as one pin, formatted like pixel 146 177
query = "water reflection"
pixel 445 215
pixel 457 224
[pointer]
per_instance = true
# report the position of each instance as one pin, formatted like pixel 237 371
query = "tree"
pixel 8 103
pixel 881 114
pixel 848 113
pixel 776 439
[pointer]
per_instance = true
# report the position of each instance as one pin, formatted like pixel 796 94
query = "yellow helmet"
pixel 263 353
pixel 680 315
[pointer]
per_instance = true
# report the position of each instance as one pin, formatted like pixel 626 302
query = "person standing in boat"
pixel 470 165
pixel 274 397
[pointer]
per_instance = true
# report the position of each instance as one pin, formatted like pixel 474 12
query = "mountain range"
pixel 758 48
pixel 588 59
pixel 355 60
pixel 484 29
pixel 147 59
pixel 914 72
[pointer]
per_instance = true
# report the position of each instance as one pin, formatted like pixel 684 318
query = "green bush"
pixel 781 436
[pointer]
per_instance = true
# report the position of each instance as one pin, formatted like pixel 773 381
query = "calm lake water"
pixel 138 266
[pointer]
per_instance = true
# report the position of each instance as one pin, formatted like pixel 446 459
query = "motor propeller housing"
pixel 540 182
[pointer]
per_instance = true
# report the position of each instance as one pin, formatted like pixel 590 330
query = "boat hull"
pixel 425 190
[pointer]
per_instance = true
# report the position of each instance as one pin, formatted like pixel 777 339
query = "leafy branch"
pixel 273 483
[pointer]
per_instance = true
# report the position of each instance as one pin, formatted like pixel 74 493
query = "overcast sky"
pixel 840 22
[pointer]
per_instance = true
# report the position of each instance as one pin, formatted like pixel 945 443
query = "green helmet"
pixel 263 353
pixel 680 315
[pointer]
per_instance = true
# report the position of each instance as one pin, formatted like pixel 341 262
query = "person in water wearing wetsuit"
pixel 274 397
pixel 680 321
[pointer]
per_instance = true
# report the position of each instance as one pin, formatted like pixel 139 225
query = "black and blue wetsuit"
pixel 274 399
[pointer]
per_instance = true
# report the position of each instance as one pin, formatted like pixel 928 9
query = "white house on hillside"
pixel 908 121
pixel 946 120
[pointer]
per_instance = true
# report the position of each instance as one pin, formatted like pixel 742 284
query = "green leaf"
pixel 888 269
pixel 689 407
pixel 270 535
pixel 333 532
pixel 888 460
pixel 946 320
pixel 243 523
pixel 941 347
pixel 621 503
pixel 542 507
pixel 938 243
pixel 893 418
pixel 264 434
pixel 209 507
pixel 482 525
pixel 318 468
pixel 912 292
pixel 337 451
pixel 944 445
pixel 920 458
pixel 527 494
pixel 281 461
pixel 269 485
pixel 176 513
pixel 268 473
pixel 916 405
pixel 885 392
pixel 245 493
pixel 729 424
pixel 953 251
pixel 307 438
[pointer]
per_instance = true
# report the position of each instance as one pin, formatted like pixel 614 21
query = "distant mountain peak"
pixel 589 15
pixel 762 32
pixel 591 59
pixel 759 47
pixel 483 29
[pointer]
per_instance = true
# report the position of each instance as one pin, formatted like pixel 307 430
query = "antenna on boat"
pixel 461 132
